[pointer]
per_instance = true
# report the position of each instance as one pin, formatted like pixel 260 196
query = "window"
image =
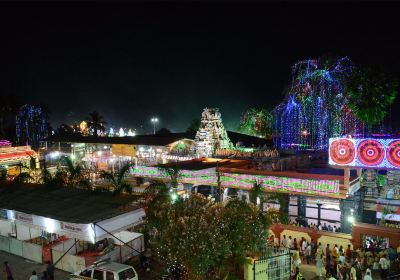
pixel 109 275
pixel 86 273
pixel 127 274
pixel 98 274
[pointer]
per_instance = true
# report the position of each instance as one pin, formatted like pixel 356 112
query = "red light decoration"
pixel 342 151
pixel 393 153
pixel 370 152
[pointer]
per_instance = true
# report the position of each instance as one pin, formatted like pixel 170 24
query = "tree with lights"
pixel 317 105
pixel 256 122
pixel 371 93
pixel 32 124
pixel 207 239
pixel 95 123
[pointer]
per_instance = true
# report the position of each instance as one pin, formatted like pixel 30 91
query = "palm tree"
pixel 60 178
pixel 96 122
pixel 256 193
pixel 23 177
pixel 75 174
pixel 156 189
pixel 173 172
pixel 117 179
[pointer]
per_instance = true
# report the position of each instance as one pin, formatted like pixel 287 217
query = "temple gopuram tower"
pixel 211 134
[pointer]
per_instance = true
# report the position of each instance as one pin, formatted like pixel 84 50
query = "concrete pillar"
pixel 346 180
pixel 301 210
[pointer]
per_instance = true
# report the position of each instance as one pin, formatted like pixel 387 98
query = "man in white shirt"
pixel 289 242
pixel 384 265
pixel 284 241
pixel 33 276
pixel 368 275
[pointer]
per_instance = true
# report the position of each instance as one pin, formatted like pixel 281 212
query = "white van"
pixel 105 270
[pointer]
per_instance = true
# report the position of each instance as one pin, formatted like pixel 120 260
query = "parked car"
pixel 106 270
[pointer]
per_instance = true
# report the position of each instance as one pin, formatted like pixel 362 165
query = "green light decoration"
pixel 256 122
pixel 246 181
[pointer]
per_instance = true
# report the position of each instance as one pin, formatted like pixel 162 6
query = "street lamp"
pixel 154 121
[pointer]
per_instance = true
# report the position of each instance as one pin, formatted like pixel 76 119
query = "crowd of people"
pixel 341 263
pixel 47 274
pixel 324 227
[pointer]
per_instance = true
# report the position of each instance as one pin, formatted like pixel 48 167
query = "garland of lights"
pixel 365 152
pixel 316 108
pixel 245 181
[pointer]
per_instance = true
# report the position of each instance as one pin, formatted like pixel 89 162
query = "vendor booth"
pixel 70 246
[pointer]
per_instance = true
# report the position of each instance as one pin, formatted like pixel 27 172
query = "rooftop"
pixel 156 139
pixel 64 203
pixel 202 163
pixel 153 140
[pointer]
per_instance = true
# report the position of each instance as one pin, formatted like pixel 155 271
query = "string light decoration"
pixel 32 125
pixel 316 107
pixel 365 152
pixel 5 143
pixel 256 122
pixel 246 181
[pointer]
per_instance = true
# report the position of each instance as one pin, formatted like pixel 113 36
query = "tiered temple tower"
pixel 211 134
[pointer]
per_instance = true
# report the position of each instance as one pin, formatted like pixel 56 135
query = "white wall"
pixel 5 227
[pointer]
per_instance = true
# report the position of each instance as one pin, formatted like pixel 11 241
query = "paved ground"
pixel 22 269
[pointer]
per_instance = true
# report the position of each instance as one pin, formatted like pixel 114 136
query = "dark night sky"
pixel 134 60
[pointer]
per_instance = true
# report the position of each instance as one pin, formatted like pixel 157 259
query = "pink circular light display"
pixel 393 153
pixel 342 151
pixel 370 152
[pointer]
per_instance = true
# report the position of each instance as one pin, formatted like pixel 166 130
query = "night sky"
pixel 133 60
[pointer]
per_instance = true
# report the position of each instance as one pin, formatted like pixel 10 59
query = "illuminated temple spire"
pixel 211 134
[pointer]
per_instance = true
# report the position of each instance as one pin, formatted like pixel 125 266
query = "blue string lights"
pixel 32 125
pixel 316 107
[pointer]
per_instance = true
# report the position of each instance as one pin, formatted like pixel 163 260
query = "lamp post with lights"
pixel 154 121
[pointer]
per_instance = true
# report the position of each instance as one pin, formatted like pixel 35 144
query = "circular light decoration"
pixel 370 152
pixel 342 151
pixel 393 153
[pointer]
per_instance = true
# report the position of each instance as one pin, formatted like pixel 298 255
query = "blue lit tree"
pixel 316 107
pixel 32 124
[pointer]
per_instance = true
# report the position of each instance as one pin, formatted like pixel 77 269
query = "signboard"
pixel 26 218
pixel 365 152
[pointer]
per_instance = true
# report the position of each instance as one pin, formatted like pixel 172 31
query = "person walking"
pixel 284 242
pixel 307 252
pixel 353 272
pixel 289 243
pixel 8 272
pixel 328 258
pixel 384 266
pixel 33 276
pixel 44 276
pixel 348 253
pixel 318 258
pixel 50 270
pixel 368 275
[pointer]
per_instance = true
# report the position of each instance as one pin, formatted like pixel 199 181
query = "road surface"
pixel 22 269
